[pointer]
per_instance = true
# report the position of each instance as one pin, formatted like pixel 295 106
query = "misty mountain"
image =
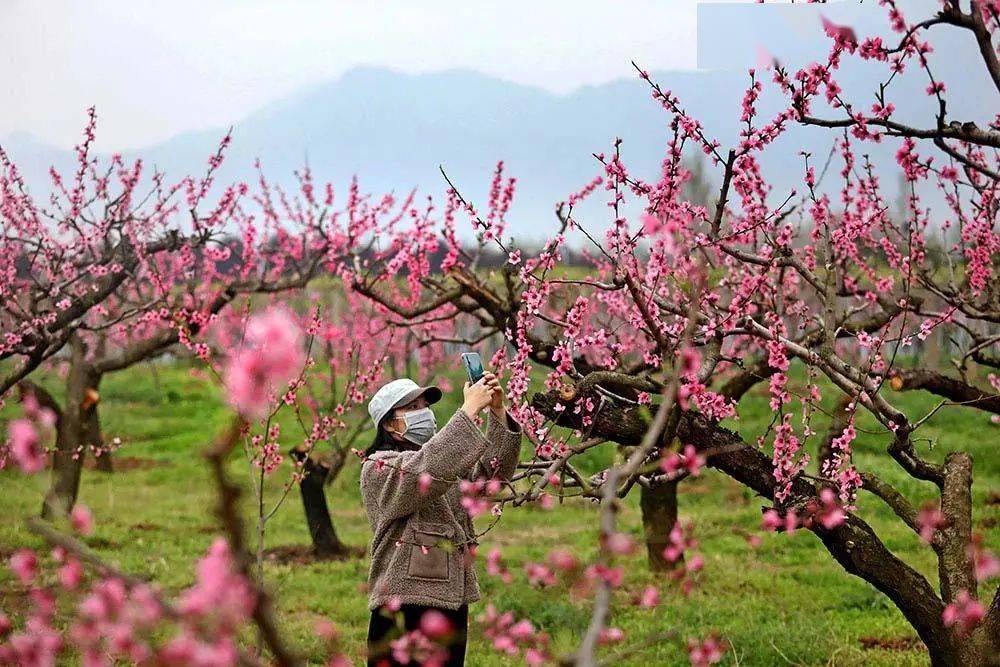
pixel 393 129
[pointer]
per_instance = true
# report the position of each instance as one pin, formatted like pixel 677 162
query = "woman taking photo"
pixel 421 565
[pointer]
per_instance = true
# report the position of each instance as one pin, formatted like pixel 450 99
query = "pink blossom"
pixel 495 566
pixel 930 519
pixel 82 520
pixel 562 559
pixel 690 460
pixel 435 625
pixel 649 598
pixel 417 648
pixel 708 651
pixel 71 574
pixel 679 542
pixel 424 482
pixel 772 520
pixel 325 629
pixel 935 88
pixel 985 564
pixel 788 462
pixel 841 33
pixel 830 514
pixel 612 576
pixel 611 635
pixel 620 544
pixel 695 563
pixel 25 446
pixel 964 613
pixel 220 592
pixel 24 565
pixel 271 356
pixel 534 657
pixel 539 575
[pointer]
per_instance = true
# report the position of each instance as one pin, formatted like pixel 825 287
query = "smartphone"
pixel 473 366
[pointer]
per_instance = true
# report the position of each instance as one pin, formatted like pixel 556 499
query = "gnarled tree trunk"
pixel 658 503
pixel 77 429
pixel 315 474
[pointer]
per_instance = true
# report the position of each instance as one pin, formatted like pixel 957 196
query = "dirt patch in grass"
pixel 301 554
pixel 890 643
pixel 553 533
pixel 146 525
pixel 15 599
pixel 993 498
pixel 126 463
pixel 698 487
pixel 102 543
pixel 735 496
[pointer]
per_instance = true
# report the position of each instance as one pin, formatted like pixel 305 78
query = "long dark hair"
pixel 383 441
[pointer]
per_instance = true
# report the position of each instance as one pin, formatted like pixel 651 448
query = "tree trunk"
pixel 93 436
pixel 325 541
pixel 77 429
pixel 659 514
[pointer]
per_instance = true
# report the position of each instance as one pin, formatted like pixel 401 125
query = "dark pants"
pixel 384 627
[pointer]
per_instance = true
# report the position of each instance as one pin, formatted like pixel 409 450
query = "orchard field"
pixel 781 603
pixel 756 387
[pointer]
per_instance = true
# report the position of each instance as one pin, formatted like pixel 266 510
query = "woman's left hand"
pixel 493 382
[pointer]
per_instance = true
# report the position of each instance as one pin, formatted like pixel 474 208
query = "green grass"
pixel 787 601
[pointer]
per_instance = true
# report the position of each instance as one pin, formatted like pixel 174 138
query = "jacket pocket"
pixel 430 553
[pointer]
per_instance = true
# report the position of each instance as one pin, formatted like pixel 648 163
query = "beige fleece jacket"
pixel 421 539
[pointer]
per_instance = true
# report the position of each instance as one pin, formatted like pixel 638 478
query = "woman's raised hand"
pixel 493 382
pixel 477 396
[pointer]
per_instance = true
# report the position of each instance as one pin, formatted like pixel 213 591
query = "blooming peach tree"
pixel 688 307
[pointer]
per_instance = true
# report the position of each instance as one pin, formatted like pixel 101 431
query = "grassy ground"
pixel 786 602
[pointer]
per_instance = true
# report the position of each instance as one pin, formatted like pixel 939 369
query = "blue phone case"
pixel 473 366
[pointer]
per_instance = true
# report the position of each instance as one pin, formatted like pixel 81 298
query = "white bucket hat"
pixel 396 393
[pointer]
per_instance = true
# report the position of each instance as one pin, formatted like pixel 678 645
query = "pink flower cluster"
pixel 680 542
pixel 513 637
pixel 964 614
pixel 775 521
pixel 24 440
pixel 689 460
pixel 115 621
pixel 840 467
pixel 930 520
pixel 985 564
pixel 270 358
pixel 476 495
pixel 496 568
pixel 416 647
pixel 788 462
pixel 828 511
pixel 221 595
pixel 707 651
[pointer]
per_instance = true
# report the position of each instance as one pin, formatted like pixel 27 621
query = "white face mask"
pixel 420 425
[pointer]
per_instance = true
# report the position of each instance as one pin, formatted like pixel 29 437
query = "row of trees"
pixel 682 312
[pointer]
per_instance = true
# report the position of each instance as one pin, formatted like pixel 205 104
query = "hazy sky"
pixel 154 69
